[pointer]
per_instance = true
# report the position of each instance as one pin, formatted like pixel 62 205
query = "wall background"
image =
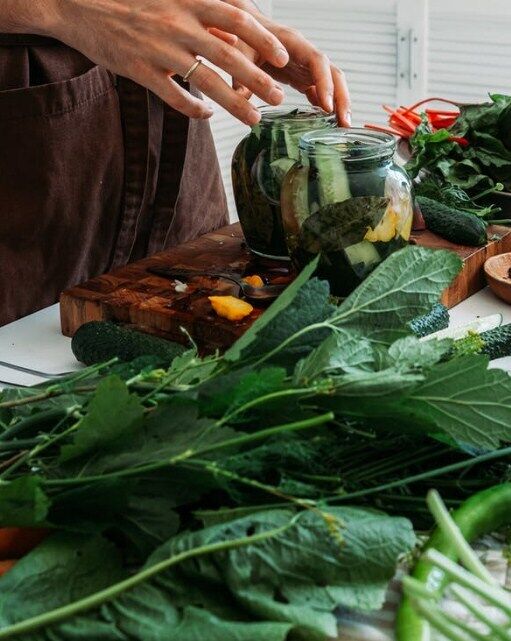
pixel 395 52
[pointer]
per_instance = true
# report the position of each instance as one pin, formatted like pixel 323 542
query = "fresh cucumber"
pixel 452 224
pixel 100 341
pixel 436 320
pixel 495 343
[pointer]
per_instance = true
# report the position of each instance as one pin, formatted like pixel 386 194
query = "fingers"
pixel 215 87
pixel 243 70
pixel 341 98
pixel 173 94
pixel 229 38
pixel 322 75
pixel 233 20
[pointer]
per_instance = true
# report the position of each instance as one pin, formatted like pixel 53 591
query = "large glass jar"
pixel 259 165
pixel 347 200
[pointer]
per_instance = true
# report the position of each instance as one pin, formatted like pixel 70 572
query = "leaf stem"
pixel 108 594
pixel 453 533
pixel 265 399
pixel 455 467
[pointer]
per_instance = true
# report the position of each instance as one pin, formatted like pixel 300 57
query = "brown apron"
pixel 95 171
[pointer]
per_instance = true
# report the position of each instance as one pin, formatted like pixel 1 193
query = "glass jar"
pixel 347 200
pixel 259 165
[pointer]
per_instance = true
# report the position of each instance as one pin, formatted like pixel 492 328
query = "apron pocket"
pixel 61 182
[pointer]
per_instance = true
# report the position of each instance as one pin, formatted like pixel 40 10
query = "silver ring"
pixel 192 70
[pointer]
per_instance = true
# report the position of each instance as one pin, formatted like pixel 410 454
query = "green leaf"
pixel 465 399
pixel 342 351
pixel 281 317
pixel 291 582
pixel 461 398
pixel 23 502
pixel 404 286
pixel 167 433
pixel 410 353
pixel 62 569
pixel 227 392
pixel 113 412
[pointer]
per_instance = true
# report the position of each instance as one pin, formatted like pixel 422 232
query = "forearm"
pixel 27 16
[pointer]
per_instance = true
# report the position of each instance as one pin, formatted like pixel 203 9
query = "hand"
pixel 309 71
pixel 150 40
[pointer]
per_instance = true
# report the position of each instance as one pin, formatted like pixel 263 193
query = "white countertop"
pixel 33 350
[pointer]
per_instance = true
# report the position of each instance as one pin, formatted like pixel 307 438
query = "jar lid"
pixel 350 144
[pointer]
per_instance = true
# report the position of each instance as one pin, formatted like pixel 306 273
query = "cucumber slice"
pixel 364 254
pixel 333 183
pixel 478 325
pixel 280 168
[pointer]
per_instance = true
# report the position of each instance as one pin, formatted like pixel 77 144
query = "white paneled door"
pixel 396 52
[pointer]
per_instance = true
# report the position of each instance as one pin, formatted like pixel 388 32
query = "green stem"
pixel 108 594
pixel 451 531
pixel 479 613
pixel 492 190
pixel 503 221
pixel 455 467
pixel 266 399
pixel 36 420
pixel 263 434
pixel 189 454
pixel 19 444
pixel 48 442
pixel 288 341
pixel 494 595
pixel 436 618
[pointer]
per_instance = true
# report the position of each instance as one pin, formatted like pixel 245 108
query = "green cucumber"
pixel 452 224
pixel 100 341
pixel 435 320
pixel 497 342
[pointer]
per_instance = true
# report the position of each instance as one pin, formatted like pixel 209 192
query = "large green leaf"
pixel 167 433
pixel 403 287
pixel 460 398
pixel 112 412
pixel 23 502
pixel 303 303
pixel 292 581
pixel 62 569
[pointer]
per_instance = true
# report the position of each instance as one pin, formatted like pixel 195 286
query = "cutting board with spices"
pixel 133 296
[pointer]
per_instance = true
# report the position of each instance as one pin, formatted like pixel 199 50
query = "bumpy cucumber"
pixel 100 341
pixel 452 224
pixel 436 320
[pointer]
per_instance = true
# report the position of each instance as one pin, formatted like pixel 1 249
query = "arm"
pixel 26 16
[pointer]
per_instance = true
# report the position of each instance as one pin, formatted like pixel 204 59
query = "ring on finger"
pixel 192 70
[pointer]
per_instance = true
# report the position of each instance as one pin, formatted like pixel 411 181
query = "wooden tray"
pixel 133 296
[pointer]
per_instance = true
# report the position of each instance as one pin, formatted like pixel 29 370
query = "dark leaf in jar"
pixel 336 226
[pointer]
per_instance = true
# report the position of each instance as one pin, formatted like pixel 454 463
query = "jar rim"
pixel 350 144
pixel 287 113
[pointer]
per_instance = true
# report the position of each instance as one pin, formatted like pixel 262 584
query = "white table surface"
pixel 33 350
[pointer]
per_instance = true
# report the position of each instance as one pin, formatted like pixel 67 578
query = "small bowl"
pixel 498 275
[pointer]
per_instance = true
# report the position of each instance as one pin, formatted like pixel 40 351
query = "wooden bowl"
pixel 498 275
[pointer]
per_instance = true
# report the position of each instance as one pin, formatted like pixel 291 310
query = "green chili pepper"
pixel 481 514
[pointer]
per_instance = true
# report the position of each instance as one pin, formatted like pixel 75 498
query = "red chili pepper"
pixel 440 112
pixel 426 100
pixel 461 141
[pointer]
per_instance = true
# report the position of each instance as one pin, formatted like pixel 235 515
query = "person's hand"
pixel 150 40
pixel 309 71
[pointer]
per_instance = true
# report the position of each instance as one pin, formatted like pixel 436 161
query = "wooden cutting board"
pixel 133 296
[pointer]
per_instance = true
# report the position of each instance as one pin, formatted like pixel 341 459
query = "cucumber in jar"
pixel 332 177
